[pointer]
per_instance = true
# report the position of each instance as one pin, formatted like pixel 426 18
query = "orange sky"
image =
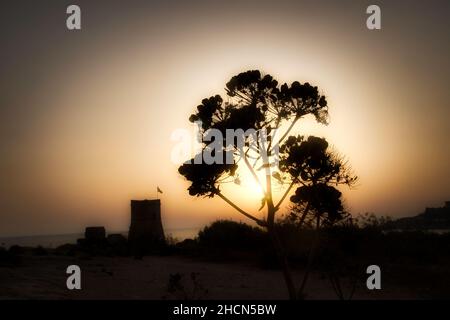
pixel 87 117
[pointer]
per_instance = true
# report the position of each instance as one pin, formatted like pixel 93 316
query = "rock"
pixel 66 250
pixel 118 244
pixel 116 239
pixel 16 250
pixel 95 234
pixel 40 251
pixel 8 259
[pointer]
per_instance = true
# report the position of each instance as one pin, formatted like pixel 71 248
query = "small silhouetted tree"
pixel 316 202
pixel 256 102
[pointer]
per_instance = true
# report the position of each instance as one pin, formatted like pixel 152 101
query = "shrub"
pixel 227 234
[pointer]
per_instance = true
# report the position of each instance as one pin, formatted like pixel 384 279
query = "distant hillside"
pixel 432 218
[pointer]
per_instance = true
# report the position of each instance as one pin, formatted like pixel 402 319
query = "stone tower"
pixel 146 232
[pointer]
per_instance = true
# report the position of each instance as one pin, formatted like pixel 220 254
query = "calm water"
pixel 53 241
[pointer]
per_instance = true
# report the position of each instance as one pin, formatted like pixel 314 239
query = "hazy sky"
pixel 86 117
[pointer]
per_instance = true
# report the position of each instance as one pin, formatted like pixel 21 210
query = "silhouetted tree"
pixel 318 170
pixel 259 103
pixel 316 201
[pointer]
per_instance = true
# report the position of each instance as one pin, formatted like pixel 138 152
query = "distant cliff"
pixel 432 218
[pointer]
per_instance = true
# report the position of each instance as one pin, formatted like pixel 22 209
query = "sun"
pixel 252 187
pixel 248 188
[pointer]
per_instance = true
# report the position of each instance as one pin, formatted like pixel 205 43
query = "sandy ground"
pixel 44 277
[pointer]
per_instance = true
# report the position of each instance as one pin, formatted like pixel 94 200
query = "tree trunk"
pixel 311 257
pixel 282 258
pixel 281 254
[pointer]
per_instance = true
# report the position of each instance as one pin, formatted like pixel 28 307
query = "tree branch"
pixel 277 124
pixel 303 217
pixel 269 200
pixel 258 221
pixel 285 194
pixel 252 171
pixel 287 131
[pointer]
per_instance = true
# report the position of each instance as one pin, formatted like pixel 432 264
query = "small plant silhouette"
pixel 178 288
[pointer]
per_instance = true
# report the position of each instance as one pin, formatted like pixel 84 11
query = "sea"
pixel 53 241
